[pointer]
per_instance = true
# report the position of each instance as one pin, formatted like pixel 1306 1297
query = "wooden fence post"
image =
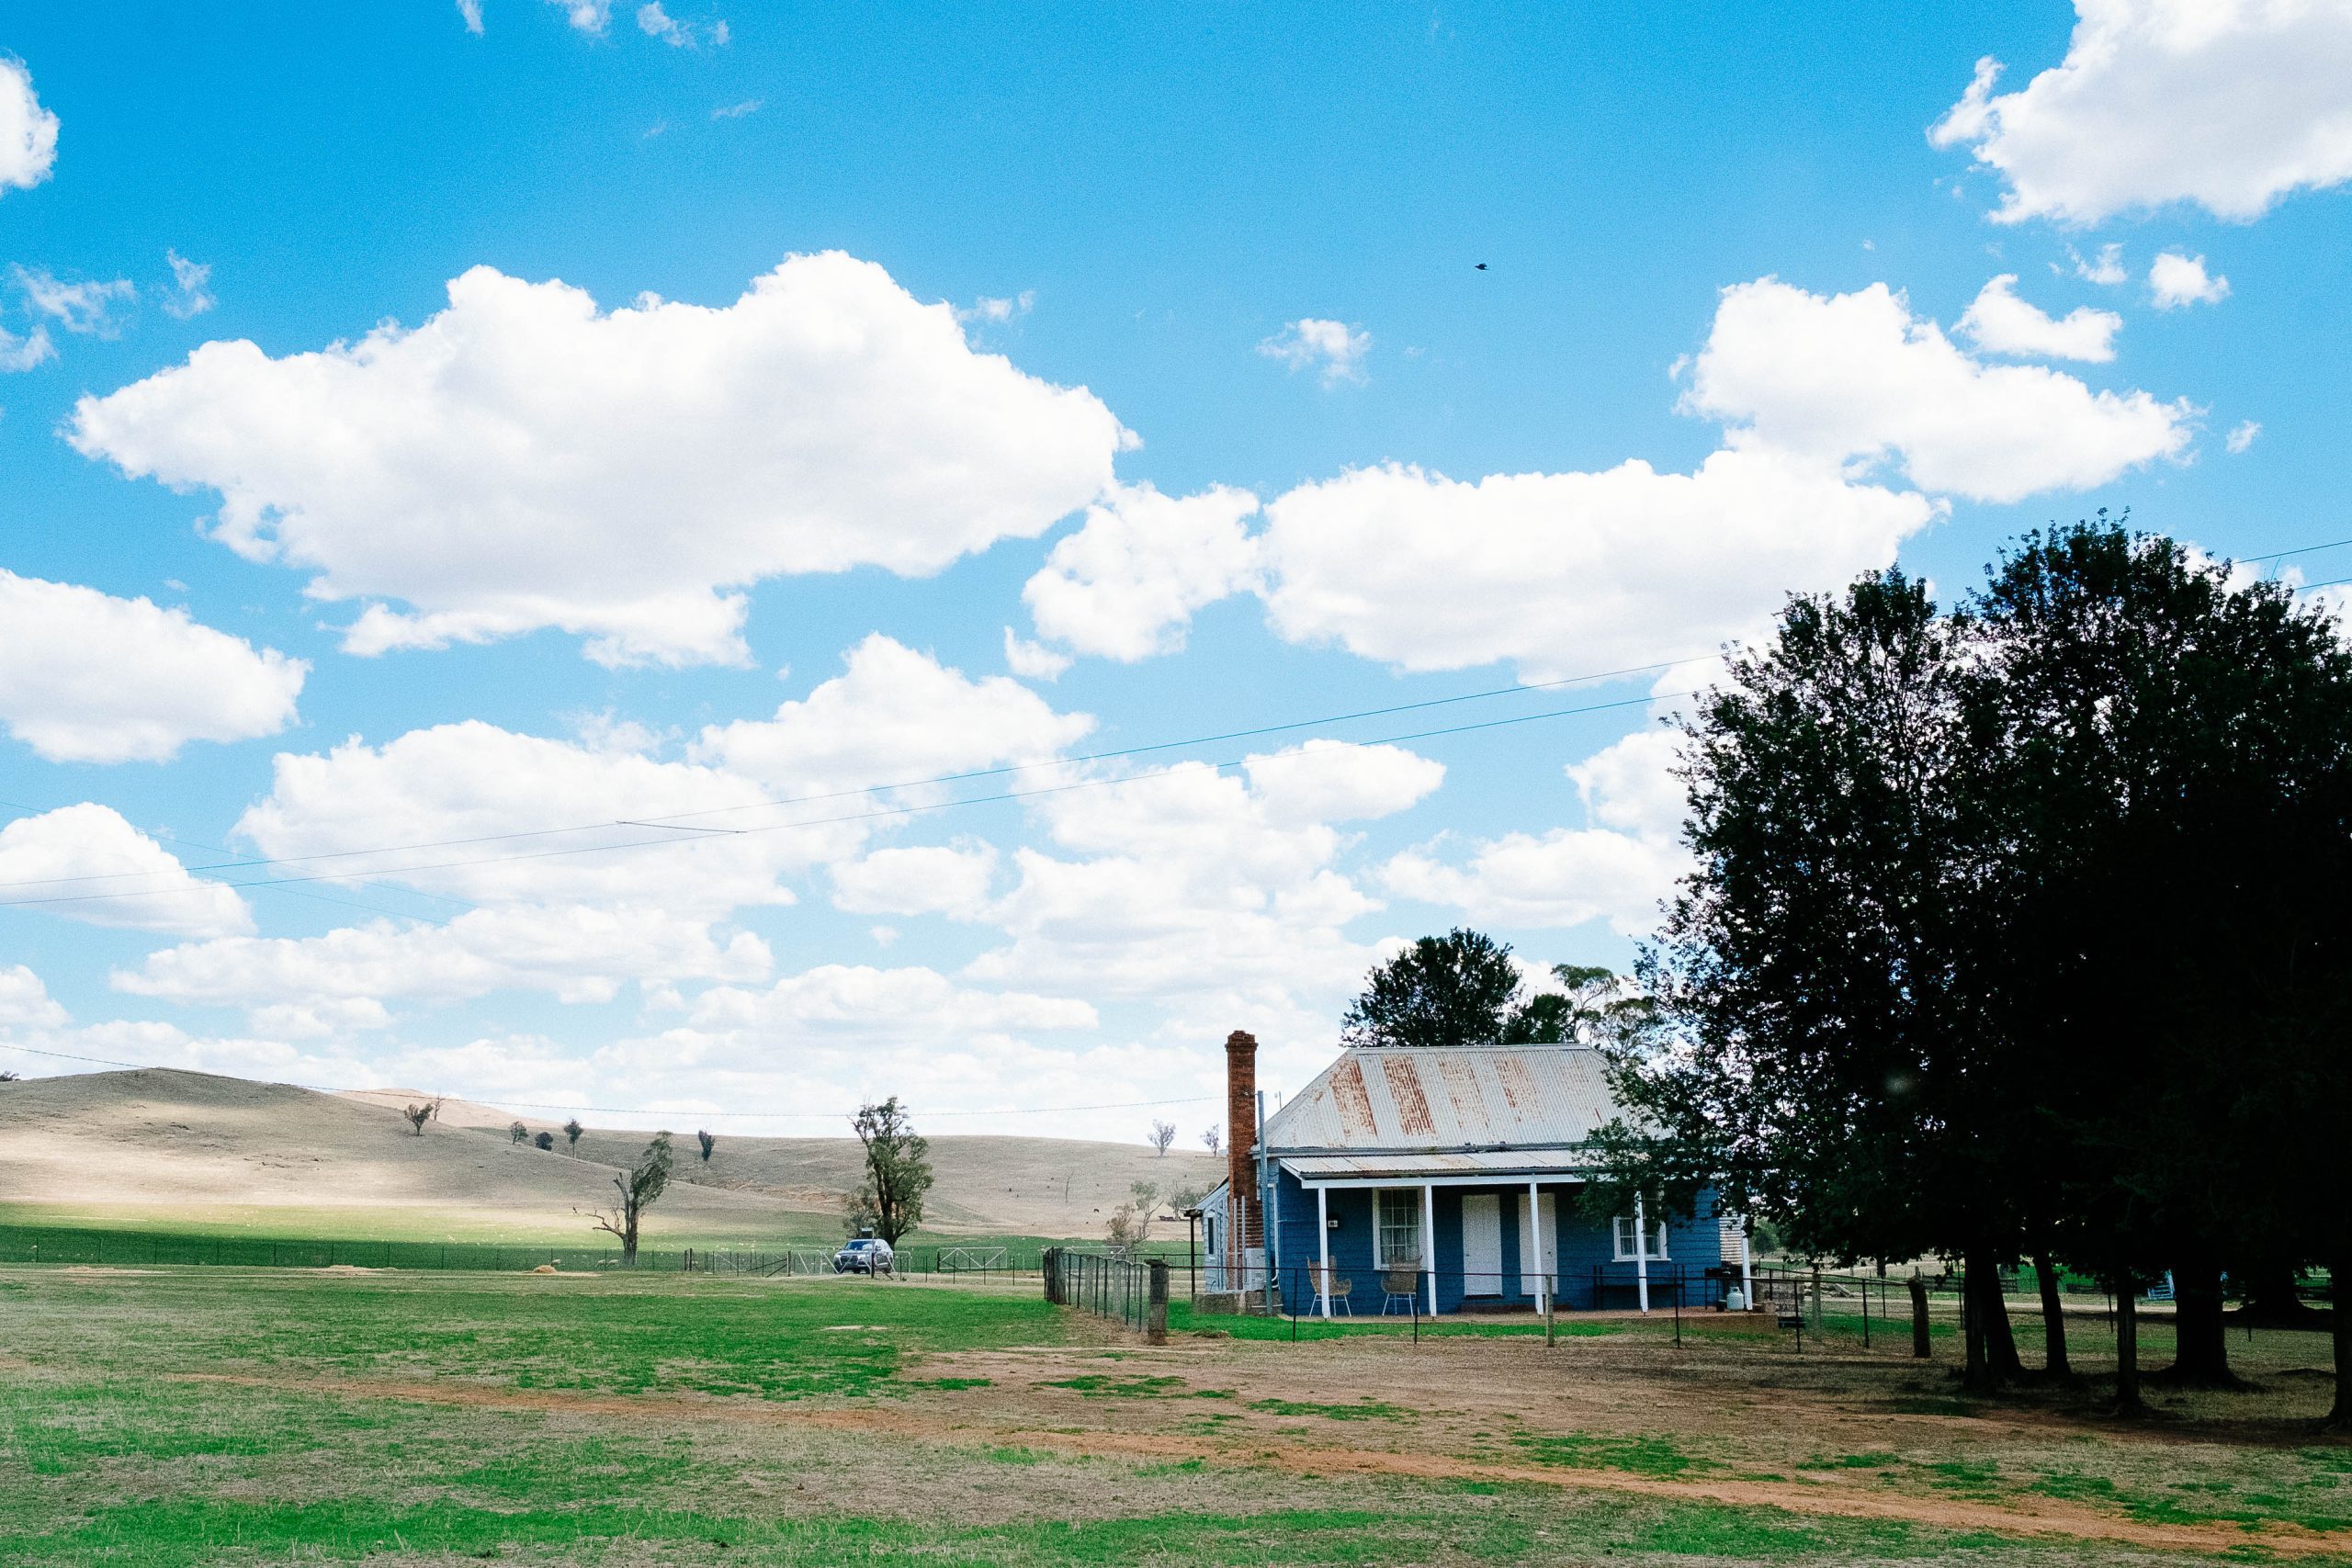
pixel 1155 1323
pixel 1918 1316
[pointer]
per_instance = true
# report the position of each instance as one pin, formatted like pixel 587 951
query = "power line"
pixel 969 775
pixel 26 812
pixel 907 810
pixel 642 1111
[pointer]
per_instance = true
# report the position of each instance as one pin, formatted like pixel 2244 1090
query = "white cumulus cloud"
pixel 191 292
pixel 1202 889
pixel 1999 323
pixel 482 806
pixel 79 305
pixel 23 350
pixel 2175 280
pixel 1569 573
pixel 2106 268
pixel 2244 434
pixel 1033 661
pixel 25 1002
pixel 917 879
pixel 1126 584
pixel 2228 105
pixel 1857 378
pixel 579 953
pixel 27 132
pixel 1620 870
pixel 84 863
pixel 585 16
pixel 525 460
pixel 1336 348
pixel 893 716
pixel 85 677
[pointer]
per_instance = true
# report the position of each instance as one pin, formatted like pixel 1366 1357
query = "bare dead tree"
pixel 639 1186
pixel 436 1107
pixel 1211 1138
pixel 418 1115
pixel 1162 1135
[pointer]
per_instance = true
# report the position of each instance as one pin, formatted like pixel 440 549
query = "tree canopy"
pixel 898 1172
pixel 2010 930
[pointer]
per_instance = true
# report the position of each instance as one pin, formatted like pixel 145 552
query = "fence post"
pixel 1155 1323
pixel 1919 1350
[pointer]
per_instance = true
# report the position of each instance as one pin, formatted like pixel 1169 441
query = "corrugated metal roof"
pixel 1441 1099
pixel 1498 1163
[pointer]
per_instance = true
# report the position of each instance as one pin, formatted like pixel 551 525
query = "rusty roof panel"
pixel 1348 1098
pixel 1496 1097
pixel 1405 1089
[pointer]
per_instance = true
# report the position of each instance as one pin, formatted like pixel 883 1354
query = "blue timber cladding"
pixel 1466 1126
pixel 1590 1273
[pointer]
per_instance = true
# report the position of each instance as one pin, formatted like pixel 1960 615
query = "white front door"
pixel 1482 1244
pixel 1533 1266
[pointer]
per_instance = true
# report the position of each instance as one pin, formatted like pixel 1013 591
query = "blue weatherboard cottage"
pixel 1405 1180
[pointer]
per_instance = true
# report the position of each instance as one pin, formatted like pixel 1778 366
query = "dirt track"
pixel 2043 1518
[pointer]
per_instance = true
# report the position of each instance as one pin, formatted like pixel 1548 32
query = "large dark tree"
pixel 1454 989
pixel 1826 1050
pixel 2168 756
pixel 2019 930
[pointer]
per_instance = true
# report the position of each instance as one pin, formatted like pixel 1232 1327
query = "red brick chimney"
pixel 1243 1221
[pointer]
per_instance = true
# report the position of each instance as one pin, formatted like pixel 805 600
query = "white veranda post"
pixel 1746 1283
pixel 1641 1253
pixel 1323 1234
pixel 1536 1248
pixel 1429 1239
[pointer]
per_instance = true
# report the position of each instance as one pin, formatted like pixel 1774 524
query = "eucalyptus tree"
pixel 1825 1050
pixel 2170 750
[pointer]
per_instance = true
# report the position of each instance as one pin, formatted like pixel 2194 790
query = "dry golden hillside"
pixel 153 1142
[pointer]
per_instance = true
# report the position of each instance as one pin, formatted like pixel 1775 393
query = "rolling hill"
pixel 156 1146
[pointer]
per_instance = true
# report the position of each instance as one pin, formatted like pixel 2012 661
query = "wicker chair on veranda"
pixel 1402 1285
pixel 1320 1280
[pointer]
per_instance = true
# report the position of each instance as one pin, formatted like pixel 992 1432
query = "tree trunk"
pixel 2127 1348
pixel 2054 1318
pixel 2271 1298
pixel 2203 1358
pixel 1919 1347
pixel 2340 1308
pixel 1976 1374
pixel 628 1235
pixel 2000 1340
pixel 1992 1349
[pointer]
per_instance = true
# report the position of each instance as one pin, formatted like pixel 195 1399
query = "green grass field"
pixel 219 1415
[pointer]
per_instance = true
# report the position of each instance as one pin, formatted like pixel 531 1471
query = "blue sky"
pixel 1114 380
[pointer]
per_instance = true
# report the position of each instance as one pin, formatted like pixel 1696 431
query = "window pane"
pixel 1400 1227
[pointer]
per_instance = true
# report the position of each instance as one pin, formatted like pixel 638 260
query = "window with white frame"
pixel 1399 1211
pixel 1625 1241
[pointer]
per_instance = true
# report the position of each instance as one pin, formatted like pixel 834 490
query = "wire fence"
pixel 1121 1289
pixel 105 1248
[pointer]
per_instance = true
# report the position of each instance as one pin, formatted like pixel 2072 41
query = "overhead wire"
pixel 968 776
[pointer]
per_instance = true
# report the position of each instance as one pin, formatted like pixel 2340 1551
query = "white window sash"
pixel 1622 1238
pixel 1407 1200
